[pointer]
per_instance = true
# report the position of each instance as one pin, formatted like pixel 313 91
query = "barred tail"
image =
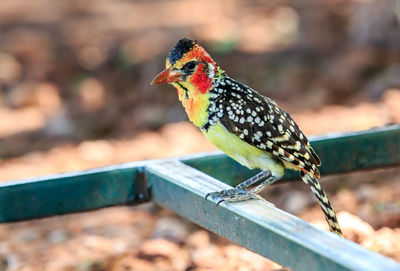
pixel 323 201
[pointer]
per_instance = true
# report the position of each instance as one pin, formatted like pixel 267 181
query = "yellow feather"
pixel 195 103
pixel 247 155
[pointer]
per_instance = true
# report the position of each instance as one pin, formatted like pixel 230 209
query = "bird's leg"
pixel 253 180
pixel 264 185
pixel 239 193
pixel 240 188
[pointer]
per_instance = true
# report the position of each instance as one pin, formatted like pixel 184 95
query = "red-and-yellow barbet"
pixel 250 128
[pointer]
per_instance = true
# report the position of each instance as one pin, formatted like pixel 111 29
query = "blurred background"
pixel 75 93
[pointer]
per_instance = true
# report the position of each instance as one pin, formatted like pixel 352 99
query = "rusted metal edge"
pixel 256 225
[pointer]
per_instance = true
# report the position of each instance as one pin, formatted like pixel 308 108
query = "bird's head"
pixel 189 64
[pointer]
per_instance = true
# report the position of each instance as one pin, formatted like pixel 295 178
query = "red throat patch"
pixel 200 79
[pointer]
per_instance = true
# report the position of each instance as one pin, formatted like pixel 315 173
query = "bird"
pixel 249 127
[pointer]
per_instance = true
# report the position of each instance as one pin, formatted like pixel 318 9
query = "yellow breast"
pixel 247 155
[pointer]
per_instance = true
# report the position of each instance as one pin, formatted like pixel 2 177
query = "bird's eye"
pixel 190 66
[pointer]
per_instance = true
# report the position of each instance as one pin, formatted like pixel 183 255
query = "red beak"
pixel 168 76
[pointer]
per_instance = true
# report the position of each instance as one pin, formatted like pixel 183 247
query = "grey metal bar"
pixel 257 226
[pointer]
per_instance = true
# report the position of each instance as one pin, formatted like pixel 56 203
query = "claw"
pixel 240 192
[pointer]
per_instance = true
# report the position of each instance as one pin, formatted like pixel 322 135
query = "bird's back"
pixel 250 127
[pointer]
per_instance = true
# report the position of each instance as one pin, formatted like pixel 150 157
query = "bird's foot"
pixel 233 195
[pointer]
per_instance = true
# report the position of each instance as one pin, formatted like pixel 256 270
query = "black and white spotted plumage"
pixel 261 123
pixel 258 121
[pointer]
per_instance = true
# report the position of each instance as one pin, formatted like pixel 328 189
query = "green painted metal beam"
pixel 256 225
pixel 339 153
pixel 119 184
pixel 181 188
pixel 72 192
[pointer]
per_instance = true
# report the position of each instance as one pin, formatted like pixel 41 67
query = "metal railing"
pixel 181 184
